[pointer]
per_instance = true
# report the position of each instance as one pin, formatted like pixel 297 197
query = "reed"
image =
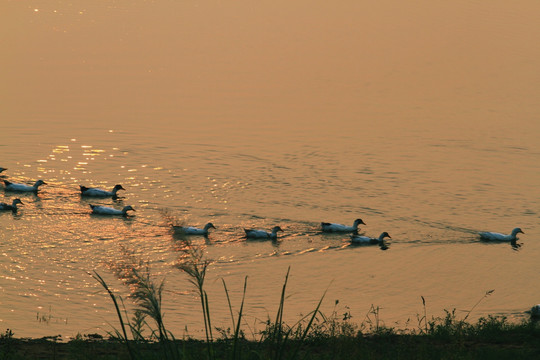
pixel 147 297
pixel 123 337
pixel 192 262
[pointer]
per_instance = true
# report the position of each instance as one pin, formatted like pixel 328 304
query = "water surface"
pixel 421 119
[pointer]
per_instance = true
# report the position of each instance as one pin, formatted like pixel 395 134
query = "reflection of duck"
pixel 2 169
pixel 104 210
pixel 261 234
pixel 23 187
pixel 95 192
pixel 12 207
pixel 331 227
pixel 493 236
pixel 357 239
pixel 190 230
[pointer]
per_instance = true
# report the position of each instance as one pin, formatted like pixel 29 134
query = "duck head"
pixel 127 208
pixel 16 201
pixel 208 226
pixel 39 183
pixel 517 231
pixel 358 222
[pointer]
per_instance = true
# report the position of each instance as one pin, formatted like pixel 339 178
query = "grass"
pixel 315 336
pixel 447 338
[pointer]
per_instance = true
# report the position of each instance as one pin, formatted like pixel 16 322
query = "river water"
pixel 420 118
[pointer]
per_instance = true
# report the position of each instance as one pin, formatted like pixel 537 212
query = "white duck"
pixel 357 239
pixel 12 207
pixel 331 227
pixel 493 236
pixel 95 192
pixel 190 230
pixel 2 169
pixel 262 234
pixel 23 187
pixel 104 210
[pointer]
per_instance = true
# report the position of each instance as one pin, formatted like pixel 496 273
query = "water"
pixel 421 119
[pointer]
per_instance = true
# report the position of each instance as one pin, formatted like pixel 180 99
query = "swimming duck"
pixel 493 236
pixel 12 207
pixel 190 230
pixel 95 192
pixel 23 187
pixel 357 239
pixel 261 234
pixel 104 210
pixel 330 227
pixel 2 169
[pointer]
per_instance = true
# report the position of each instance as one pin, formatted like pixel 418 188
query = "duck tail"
pixel 7 182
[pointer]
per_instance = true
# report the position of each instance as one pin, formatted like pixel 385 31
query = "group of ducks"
pixel 250 233
pixel 85 191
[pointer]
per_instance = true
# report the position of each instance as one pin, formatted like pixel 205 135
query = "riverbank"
pixel 491 338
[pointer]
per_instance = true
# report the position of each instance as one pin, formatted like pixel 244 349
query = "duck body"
pixel 332 227
pixel 366 240
pixel 95 192
pixel 9 186
pixel 104 210
pixel 190 230
pixel 12 207
pixel 493 236
pixel 262 234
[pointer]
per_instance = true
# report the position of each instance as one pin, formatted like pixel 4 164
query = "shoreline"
pixel 491 337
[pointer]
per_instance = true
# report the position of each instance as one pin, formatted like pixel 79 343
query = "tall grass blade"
pixel 308 327
pixel 488 293
pixel 237 329
pixel 119 314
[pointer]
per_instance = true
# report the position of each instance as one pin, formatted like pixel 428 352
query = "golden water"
pixel 420 118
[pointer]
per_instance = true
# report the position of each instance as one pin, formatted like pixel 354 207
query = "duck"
pixel 262 234
pixel 190 230
pixel 104 210
pixel 493 236
pixel 331 227
pixel 9 186
pixel 357 239
pixel 2 169
pixel 12 207
pixel 95 192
